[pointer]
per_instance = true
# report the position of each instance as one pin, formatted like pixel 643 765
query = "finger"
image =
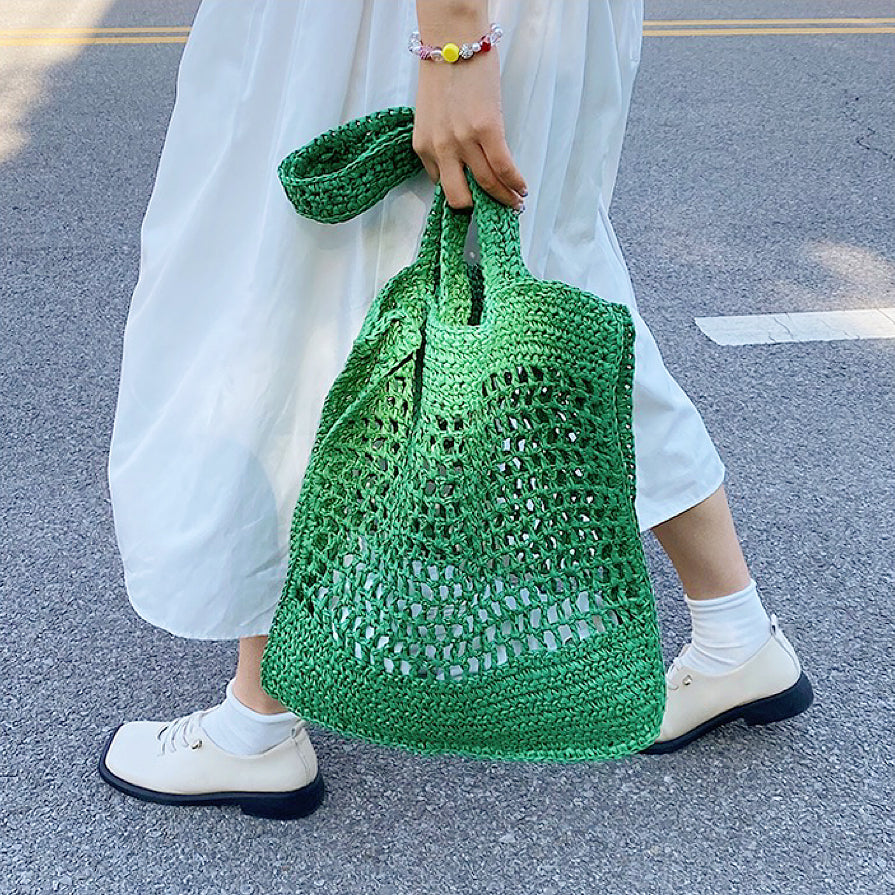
pixel 486 178
pixel 425 157
pixel 500 160
pixel 454 184
pixel 431 168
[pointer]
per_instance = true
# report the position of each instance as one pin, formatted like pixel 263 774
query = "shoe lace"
pixel 185 732
pixel 676 664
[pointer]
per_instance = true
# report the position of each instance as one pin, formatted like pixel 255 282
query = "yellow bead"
pixel 450 52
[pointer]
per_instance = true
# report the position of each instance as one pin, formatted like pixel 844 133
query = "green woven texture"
pixel 466 574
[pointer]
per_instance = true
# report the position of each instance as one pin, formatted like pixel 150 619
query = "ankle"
pixel 726 631
pixel 242 730
pixel 256 699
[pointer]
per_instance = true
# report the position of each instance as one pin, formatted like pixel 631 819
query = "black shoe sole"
pixel 274 805
pixel 787 704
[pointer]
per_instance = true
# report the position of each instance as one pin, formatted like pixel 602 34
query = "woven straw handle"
pixel 345 171
pixel 348 169
pixel 497 229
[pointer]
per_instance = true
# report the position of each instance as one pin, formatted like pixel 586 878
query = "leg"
pixel 250 720
pixel 247 682
pixel 738 664
pixel 729 622
pixel 703 546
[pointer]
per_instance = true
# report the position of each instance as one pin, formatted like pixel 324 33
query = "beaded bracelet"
pixel 451 52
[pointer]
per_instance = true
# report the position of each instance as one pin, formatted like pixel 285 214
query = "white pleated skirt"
pixel 244 313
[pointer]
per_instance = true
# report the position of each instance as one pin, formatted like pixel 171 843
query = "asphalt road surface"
pixel 758 176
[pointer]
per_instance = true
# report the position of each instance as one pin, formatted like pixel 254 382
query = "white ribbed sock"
pixel 236 728
pixel 727 631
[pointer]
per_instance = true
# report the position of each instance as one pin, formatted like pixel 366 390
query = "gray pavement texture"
pixel 757 177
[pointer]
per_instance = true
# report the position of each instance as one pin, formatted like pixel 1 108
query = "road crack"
pixel 865 140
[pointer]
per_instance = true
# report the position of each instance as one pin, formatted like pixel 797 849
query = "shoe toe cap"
pixel 134 745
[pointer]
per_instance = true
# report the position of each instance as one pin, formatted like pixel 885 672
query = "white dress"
pixel 244 312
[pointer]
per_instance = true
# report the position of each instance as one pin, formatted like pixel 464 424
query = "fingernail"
pixel 524 192
pixel 519 208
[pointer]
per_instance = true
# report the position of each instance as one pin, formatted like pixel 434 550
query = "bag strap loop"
pixel 348 169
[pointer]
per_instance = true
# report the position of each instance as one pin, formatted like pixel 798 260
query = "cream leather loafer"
pixel 175 763
pixel 770 686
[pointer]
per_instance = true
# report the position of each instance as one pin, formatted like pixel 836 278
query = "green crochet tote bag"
pixel 466 573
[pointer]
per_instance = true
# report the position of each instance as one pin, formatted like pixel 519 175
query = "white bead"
pixel 465 51
pixel 476 47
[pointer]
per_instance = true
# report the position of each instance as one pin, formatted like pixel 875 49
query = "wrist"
pixel 456 21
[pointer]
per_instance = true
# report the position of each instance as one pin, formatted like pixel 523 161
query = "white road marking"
pixel 809 326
